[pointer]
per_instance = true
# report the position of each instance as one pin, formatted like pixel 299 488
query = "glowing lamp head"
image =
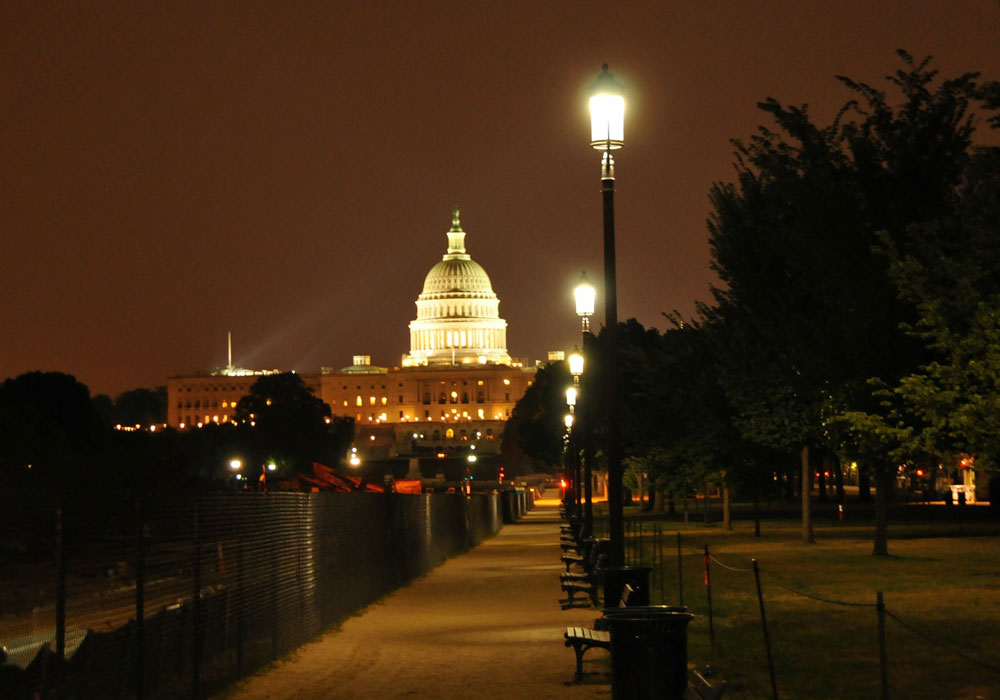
pixel 607 113
pixel 271 466
pixel 571 393
pixel 585 295
pixel 576 363
pixel 235 464
pixel 568 420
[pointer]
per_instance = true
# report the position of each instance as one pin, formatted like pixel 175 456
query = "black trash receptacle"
pixel 615 579
pixel 648 653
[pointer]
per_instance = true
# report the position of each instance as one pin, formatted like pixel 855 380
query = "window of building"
pixel 450 433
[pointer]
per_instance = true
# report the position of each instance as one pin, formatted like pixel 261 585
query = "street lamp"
pixel 607 134
pixel 576 365
pixel 584 295
pixel 571 393
pixel 572 443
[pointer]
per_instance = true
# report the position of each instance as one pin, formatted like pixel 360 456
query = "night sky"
pixel 286 170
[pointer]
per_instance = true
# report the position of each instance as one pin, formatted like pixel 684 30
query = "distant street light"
pixel 235 464
pixel 571 394
pixel 585 295
pixel 576 364
pixel 607 134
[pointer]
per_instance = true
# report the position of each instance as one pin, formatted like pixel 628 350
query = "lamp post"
pixel 584 295
pixel 607 134
pixel 572 447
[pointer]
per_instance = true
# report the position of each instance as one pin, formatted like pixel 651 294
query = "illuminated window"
pixel 450 434
pixel 371 400
pixel 481 413
pixel 480 382
pixel 507 382
pixel 345 402
pixel 358 401
pixel 385 400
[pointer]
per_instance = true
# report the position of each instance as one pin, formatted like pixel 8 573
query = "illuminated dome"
pixel 458 314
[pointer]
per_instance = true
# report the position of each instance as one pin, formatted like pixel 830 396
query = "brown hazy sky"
pixel 286 170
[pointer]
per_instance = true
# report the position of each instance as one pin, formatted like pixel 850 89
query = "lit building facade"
pixel 455 388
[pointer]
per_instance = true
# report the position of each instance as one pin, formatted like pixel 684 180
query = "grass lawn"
pixel 946 587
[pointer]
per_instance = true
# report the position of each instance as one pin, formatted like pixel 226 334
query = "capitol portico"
pixel 455 388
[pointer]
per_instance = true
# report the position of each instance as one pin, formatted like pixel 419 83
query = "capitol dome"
pixel 458 313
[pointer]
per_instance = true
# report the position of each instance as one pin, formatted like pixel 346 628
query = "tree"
pixel 281 420
pixel 536 426
pixel 142 407
pixel 808 299
pixel 48 430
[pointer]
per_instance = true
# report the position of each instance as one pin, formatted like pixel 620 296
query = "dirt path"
pixel 483 625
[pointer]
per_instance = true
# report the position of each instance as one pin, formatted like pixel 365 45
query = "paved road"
pixel 483 625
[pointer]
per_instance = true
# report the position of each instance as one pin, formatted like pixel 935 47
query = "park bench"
pixel 585 556
pixel 583 638
pixel 584 582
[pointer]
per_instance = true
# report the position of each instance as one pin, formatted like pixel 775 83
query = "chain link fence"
pixel 113 596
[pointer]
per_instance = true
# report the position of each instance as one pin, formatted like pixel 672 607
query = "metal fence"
pixel 117 597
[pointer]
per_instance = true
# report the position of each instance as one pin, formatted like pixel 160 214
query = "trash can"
pixel 614 583
pixel 648 653
pixel 602 623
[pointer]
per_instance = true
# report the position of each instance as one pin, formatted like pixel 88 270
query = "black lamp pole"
pixel 616 515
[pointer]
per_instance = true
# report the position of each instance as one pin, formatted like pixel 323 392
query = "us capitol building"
pixel 455 388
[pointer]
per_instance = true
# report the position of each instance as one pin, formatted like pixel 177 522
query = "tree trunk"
pixel 823 469
pixel 671 506
pixel 864 487
pixel 685 509
pixel 727 516
pixel 705 509
pixel 658 501
pixel 838 477
pixel 883 486
pixel 806 485
pixel 756 516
